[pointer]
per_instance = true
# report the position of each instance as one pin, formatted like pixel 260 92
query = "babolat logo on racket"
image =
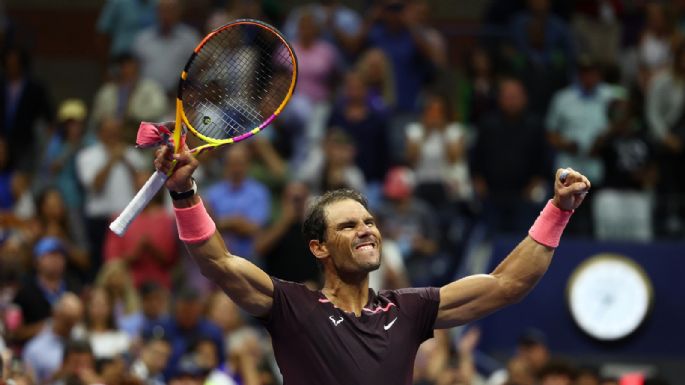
pixel 206 120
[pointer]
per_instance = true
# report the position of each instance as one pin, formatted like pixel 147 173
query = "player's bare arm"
pixel 246 284
pixel 473 297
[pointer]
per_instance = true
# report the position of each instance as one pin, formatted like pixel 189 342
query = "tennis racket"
pixel 235 83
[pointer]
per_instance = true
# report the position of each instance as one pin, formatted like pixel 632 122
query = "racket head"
pixel 238 79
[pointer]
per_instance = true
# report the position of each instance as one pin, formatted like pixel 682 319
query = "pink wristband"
pixel 194 223
pixel 550 224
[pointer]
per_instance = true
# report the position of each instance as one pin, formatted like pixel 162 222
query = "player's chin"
pixel 370 260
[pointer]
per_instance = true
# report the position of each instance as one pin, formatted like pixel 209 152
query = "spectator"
pixel 241 204
pixel 587 376
pixel 597 29
pixel 43 354
pixel 577 116
pixel 105 339
pixel 281 245
pixel 185 326
pixel 531 356
pixel 436 148
pixel 188 372
pixel 149 248
pixel 115 279
pixel 376 71
pixel 557 373
pixel 154 301
pixel 59 160
pixel 55 221
pixel 333 166
pixel 514 137
pixel 339 24
pixel 42 291
pixel 163 49
pixel 543 55
pixel 390 26
pixel 631 175
pixel 318 64
pixel 78 365
pixel 654 47
pixel 152 360
pixel 478 89
pixel 411 223
pixel 106 170
pixel 665 115
pixel 24 102
pixel 129 97
pixel 368 129
pixel 121 20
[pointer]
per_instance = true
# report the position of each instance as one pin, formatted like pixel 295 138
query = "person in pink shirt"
pixel 149 247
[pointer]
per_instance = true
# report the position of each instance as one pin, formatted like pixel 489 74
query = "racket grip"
pixel 138 203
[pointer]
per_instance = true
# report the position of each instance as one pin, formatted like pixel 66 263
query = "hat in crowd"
pixel 532 337
pixel 399 183
pixel 48 245
pixel 71 109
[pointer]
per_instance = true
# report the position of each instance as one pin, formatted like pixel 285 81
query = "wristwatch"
pixel 185 194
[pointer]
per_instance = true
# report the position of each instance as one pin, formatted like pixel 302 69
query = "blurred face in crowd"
pixel 169 13
pixel 339 150
pixel 307 29
pixel 375 65
pixel 394 14
pixel 51 265
pixel 589 77
pixel 13 65
pixel 76 362
pixel 355 89
pixel 129 71
pixel 154 304
pixel 435 113
pixel 188 313
pixel 206 354
pixel 536 355
pixel 67 313
pixel 113 371
pixel 512 97
pixel 556 379
pixel 52 205
pixel 155 355
pixel 237 163
pixel 99 307
pixel 110 131
pixel 520 372
pixel 480 62
pixel 587 378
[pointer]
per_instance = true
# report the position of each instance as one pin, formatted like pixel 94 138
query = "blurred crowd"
pixel 451 146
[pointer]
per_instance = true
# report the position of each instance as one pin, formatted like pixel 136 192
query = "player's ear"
pixel 318 248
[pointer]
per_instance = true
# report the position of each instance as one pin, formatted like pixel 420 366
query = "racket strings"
pixel 237 81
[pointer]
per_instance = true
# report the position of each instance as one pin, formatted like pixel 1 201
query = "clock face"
pixel 609 296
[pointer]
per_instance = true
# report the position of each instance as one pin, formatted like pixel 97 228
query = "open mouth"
pixel 365 246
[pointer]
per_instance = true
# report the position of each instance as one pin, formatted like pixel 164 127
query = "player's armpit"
pixel 247 285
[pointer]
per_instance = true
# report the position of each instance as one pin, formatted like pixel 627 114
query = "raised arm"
pixel 473 297
pixel 246 284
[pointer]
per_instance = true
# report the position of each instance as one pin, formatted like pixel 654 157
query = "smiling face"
pixel 352 241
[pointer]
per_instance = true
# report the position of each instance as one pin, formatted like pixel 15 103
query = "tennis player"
pixel 346 333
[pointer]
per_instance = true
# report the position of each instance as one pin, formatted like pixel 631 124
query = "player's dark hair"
pixel 314 225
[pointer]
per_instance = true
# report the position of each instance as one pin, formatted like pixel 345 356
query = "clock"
pixel 609 296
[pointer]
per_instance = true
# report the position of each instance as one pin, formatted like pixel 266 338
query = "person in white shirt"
pixel 106 170
pixel 164 49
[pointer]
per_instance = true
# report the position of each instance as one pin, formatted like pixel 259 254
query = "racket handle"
pixel 138 203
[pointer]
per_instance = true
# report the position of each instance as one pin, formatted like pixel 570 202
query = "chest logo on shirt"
pixel 335 322
pixel 388 326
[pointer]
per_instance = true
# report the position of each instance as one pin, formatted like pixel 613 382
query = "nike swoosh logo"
pixel 388 326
